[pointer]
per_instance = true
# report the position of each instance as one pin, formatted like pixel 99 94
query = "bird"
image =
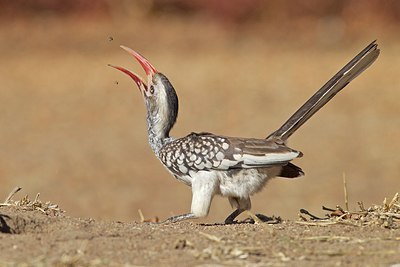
pixel 233 167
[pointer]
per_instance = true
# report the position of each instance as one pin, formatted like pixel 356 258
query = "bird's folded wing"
pixel 250 153
pixel 206 151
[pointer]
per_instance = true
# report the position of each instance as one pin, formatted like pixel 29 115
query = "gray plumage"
pixel 206 151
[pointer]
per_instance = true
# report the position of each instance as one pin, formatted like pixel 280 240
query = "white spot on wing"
pixel 208 164
pixel 237 157
pixel 220 156
pixel 199 166
pixel 225 146
pixel 183 169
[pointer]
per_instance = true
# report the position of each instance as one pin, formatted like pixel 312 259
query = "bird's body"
pixel 232 167
pixel 235 168
pixel 208 152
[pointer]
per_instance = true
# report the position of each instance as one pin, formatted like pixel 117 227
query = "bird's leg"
pixel 241 204
pixel 204 186
pixel 203 190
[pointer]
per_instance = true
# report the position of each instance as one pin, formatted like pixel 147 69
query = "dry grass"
pixel 386 215
pixel 27 204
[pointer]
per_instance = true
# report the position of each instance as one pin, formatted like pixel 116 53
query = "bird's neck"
pixel 158 132
pixel 162 113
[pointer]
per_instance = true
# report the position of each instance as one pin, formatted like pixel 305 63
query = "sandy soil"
pixel 31 238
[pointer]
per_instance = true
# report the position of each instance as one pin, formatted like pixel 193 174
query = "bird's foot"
pixel 253 218
pixel 261 218
pixel 178 218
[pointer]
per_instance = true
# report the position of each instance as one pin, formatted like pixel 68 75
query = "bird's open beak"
pixel 148 68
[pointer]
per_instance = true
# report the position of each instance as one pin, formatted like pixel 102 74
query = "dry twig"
pixel 346 199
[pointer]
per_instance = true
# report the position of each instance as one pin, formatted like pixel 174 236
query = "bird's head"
pixel 159 96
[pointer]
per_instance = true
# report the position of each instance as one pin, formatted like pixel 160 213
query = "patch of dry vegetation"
pixel 27 204
pixel 386 215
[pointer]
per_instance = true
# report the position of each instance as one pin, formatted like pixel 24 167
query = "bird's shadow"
pixel 261 217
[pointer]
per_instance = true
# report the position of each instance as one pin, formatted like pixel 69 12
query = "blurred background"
pixel 74 129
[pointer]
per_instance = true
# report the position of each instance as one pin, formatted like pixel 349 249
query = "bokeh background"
pixel 74 129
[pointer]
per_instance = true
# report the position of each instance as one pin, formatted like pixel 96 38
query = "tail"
pixel 354 68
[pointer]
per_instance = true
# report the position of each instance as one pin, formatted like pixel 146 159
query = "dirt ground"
pixel 32 238
pixel 74 130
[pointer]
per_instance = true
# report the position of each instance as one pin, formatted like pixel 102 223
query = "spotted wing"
pixel 205 151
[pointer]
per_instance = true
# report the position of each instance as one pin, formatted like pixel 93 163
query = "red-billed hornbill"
pixel 232 167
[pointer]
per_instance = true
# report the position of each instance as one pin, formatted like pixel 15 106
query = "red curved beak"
pixel 148 68
pixel 139 82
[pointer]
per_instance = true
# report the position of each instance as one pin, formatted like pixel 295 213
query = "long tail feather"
pixel 354 68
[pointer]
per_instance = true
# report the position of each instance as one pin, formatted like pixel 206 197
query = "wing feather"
pixel 205 151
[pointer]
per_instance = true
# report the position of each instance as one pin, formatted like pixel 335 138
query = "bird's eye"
pixel 151 89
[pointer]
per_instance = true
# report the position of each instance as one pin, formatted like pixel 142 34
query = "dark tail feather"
pixel 354 68
pixel 291 171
